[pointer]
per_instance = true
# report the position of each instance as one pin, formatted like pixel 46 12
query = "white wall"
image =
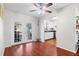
pixel 42 30
pixel 10 18
pixel 1 37
pixel 66 29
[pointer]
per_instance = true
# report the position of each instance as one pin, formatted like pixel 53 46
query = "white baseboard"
pixel 67 49
pixel 34 40
pixel 42 40
pixel 8 46
pixel 3 52
pixel 19 43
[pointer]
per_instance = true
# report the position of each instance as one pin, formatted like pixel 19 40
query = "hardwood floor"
pixel 37 49
pixel 51 41
pixel 31 49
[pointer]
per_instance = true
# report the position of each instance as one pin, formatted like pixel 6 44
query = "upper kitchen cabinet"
pixel 50 24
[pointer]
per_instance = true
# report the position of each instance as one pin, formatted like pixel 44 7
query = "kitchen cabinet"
pixel 48 35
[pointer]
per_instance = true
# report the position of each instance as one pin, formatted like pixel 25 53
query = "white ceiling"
pixel 25 7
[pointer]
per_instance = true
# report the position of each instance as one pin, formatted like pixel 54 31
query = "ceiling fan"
pixel 42 7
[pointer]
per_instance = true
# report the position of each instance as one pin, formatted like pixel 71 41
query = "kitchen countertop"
pixel 50 31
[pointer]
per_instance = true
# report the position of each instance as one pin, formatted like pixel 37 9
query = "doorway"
pixel 17 32
pixel 29 31
pixel 50 31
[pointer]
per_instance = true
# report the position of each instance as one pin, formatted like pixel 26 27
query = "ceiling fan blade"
pixel 32 10
pixel 48 11
pixel 36 5
pixel 49 4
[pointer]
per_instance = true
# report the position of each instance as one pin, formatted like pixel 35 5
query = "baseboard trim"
pixel 67 50
pixel 19 43
pixel 3 52
pixel 42 40
pixel 8 46
pixel 49 39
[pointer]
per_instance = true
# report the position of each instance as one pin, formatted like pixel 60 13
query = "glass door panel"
pixel 17 32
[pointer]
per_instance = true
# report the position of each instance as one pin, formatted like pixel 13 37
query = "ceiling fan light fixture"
pixel 54 18
pixel 39 12
pixel 42 8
